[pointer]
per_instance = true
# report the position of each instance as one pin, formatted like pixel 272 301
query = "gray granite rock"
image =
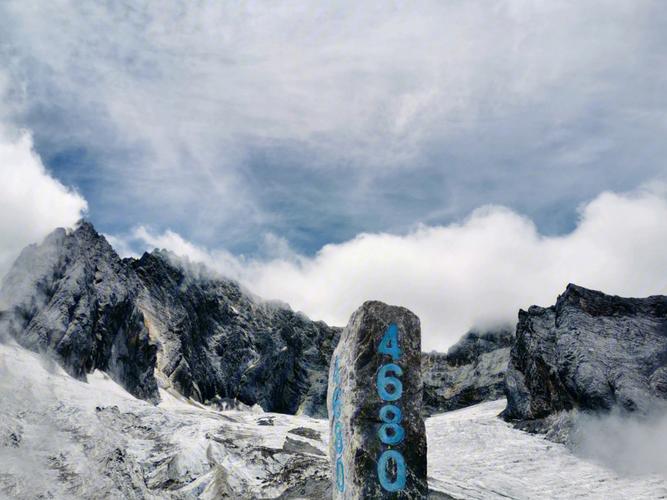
pixel 471 372
pixel 73 298
pixel 364 406
pixel 218 341
pixel 160 320
pixel 591 352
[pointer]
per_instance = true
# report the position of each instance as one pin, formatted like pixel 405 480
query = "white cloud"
pixel 475 273
pixel 484 100
pixel 378 79
pixel 32 202
pixel 627 445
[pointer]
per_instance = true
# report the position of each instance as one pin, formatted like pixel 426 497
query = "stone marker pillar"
pixel 378 440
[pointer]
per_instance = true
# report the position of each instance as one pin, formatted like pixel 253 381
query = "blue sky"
pixel 243 131
pixel 317 123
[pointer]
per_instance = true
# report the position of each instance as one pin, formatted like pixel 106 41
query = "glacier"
pixel 65 438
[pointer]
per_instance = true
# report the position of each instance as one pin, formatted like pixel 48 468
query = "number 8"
pixel 390 432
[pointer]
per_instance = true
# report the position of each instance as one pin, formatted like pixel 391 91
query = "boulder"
pixel 378 440
pixel 590 351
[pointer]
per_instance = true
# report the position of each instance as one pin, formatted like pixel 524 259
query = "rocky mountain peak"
pixel 159 319
pixel 590 351
pixel 162 321
pixel 475 343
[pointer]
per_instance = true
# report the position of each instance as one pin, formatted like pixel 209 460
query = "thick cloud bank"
pixel 32 202
pixel 319 120
pixel 475 273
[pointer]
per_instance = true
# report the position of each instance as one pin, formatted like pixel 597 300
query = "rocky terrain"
pixel 61 438
pixel 590 352
pixel 164 372
pixel 161 321
pixel 472 371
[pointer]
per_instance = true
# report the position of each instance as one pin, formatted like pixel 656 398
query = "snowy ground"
pixel 60 438
pixel 475 455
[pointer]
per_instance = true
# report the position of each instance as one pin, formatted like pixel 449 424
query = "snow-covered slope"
pixel 473 454
pixel 63 438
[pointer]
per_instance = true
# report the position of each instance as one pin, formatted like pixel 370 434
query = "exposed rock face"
pixel 159 320
pixel 378 440
pixel 590 351
pixel 472 371
pixel 216 341
pixel 72 297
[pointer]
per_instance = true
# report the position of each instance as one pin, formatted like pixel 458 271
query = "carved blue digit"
pixel 385 481
pixel 384 381
pixel 337 403
pixel 391 434
pixel 336 374
pixel 390 414
pixel 340 475
pixel 338 428
pixel 389 342
pixel 338 433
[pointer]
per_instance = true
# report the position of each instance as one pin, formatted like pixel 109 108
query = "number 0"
pixel 399 482
pixel 389 342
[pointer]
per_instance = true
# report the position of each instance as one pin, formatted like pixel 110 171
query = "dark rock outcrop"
pixel 472 371
pixel 591 352
pixel 217 341
pixel 378 439
pixel 73 298
pixel 159 319
pixel 162 321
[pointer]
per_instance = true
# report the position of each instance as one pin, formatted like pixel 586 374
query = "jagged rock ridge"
pixel 216 341
pixel 472 371
pixel 161 321
pixel 73 297
pixel 590 351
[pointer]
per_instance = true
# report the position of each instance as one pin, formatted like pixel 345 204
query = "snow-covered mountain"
pixel 159 321
pixel 162 322
pixel 154 378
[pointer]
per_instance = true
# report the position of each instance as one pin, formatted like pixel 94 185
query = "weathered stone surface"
pixel 218 341
pixel 357 396
pixel 160 320
pixel 472 371
pixel 589 351
pixel 73 298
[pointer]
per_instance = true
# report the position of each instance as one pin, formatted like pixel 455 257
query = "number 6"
pixel 384 382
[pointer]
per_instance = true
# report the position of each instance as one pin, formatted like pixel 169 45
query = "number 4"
pixel 389 342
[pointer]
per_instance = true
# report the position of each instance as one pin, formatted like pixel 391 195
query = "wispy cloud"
pixel 478 272
pixel 316 121
pixel 32 202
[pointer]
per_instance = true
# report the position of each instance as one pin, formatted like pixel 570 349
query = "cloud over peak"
pixel 32 202
pixel 477 272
